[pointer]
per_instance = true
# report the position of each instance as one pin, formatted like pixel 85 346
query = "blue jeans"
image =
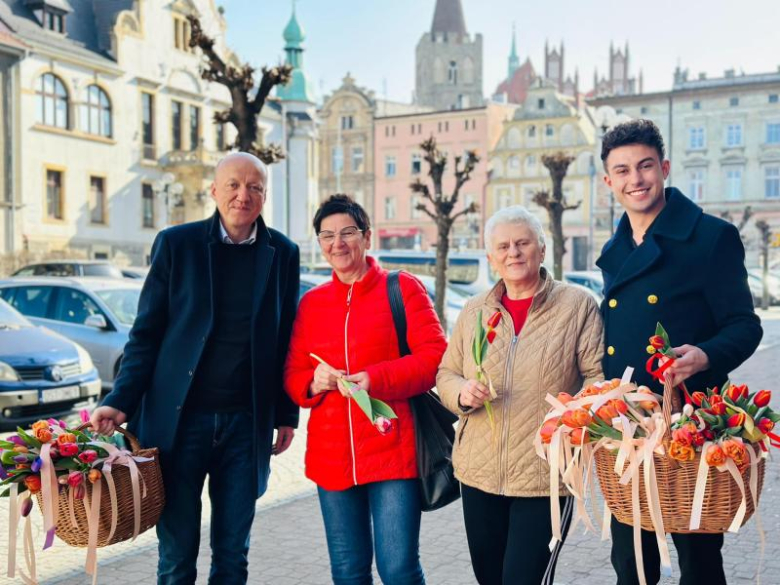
pixel 393 507
pixel 220 446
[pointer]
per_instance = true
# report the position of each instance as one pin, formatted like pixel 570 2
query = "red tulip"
pixel 491 335
pixel 69 449
pixel 383 425
pixel 762 398
pixel 494 320
pixel 698 397
pixel 736 420
pixel 718 409
pixel 88 456
pixel 765 425
pixel 715 399
pixel 736 392
pixel 698 439
pixel 657 342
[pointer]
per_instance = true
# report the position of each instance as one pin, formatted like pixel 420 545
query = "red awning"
pixel 399 232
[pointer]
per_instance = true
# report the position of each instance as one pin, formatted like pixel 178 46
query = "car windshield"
pixel 102 270
pixel 122 302
pixel 10 317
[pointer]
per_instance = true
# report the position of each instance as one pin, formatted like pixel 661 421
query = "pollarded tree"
pixel 440 207
pixel 557 164
pixel 240 83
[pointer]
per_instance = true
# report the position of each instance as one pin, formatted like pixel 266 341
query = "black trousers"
pixel 509 537
pixel 701 562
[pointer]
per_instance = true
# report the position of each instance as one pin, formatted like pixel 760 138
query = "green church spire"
pixel 299 88
pixel 514 60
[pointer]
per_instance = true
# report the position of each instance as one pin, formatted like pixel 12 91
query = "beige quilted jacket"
pixel 559 349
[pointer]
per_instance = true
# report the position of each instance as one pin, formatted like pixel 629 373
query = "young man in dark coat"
pixel 670 263
pixel 201 376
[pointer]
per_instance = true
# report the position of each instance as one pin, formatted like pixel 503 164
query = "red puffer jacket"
pixel 351 328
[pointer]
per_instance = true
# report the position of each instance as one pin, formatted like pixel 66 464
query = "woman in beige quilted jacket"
pixel 548 340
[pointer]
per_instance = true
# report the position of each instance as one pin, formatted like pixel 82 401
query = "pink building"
pixel 398 163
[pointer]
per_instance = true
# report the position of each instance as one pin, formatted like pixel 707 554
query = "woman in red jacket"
pixel 365 478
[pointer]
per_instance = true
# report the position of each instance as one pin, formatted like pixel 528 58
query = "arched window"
pixel 51 101
pixel 532 132
pixel 452 73
pixel 95 115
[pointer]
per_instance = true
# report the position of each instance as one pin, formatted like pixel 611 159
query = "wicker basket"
pixel 151 505
pixel 676 484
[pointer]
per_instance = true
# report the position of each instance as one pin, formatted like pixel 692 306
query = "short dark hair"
pixel 341 203
pixel 633 132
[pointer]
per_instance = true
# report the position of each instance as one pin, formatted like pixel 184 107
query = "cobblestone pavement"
pixel 288 540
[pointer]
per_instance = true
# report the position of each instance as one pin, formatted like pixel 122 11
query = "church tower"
pixel 299 89
pixel 514 60
pixel 449 61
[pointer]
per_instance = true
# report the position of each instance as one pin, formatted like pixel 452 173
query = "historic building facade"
pixel 723 138
pixel 449 62
pixel 548 122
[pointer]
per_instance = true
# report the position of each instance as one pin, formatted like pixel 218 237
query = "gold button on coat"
pixel 611 350
pixel 652 299
pixel 612 303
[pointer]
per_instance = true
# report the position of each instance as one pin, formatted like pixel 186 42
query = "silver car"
pixel 96 313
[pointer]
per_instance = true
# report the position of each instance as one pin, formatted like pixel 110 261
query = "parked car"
pixel 756 284
pixel 70 268
pixel 590 279
pixel 96 313
pixel 134 272
pixel 42 374
pixel 309 281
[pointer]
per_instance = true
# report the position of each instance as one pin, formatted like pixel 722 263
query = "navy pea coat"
pixel 689 275
pixel 175 318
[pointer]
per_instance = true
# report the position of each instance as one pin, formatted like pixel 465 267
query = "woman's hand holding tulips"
pixel 473 394
pixel 325 379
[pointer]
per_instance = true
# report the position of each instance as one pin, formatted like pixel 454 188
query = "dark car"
pixel 42 374
pixel 71 268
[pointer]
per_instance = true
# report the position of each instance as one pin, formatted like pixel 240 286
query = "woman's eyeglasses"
pixel 347 234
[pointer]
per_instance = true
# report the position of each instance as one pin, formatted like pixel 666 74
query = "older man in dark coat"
pixel 201 376
pixel 670 263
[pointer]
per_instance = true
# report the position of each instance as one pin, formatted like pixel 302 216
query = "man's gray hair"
pixel 514 214
pixel 247 156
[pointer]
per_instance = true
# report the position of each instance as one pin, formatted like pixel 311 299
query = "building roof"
pixel 516 88
pixel 448 18
pixel 293 32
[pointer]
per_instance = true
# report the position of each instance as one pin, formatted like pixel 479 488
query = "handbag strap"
pixel 397 308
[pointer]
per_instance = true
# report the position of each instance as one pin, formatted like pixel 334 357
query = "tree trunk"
pixel 442 250
pixel 559 242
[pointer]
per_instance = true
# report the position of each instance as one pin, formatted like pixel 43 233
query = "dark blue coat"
pixel 175 317
pixel 689 275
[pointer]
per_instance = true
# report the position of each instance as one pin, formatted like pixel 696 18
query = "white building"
pixel 108 102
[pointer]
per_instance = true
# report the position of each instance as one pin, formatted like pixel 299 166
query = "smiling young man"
pixel 670 263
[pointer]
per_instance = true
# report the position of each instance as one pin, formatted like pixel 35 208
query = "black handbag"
pixel 433 425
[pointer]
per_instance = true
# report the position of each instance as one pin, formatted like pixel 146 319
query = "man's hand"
pixel 361 379
pixel 105 419
pixel 284 437
pixel 473 394
pixel 691 361
pixel 325 379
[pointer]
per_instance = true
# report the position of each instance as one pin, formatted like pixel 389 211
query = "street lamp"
pixel 170 191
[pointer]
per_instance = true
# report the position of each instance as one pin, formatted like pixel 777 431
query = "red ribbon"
pixel 658 373
pixel 774 440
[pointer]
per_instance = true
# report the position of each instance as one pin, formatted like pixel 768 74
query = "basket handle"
pixel 671 404
pixel 135 446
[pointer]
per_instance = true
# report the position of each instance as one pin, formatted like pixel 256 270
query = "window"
pixel 733 102
pixel 446 126
pixel 389 166
pixel 696 138
pixel 734 184
pixel 97 200
pixel 33 301
pixel 772 182
pixel 51 102
pixel 95 115
pixel 540 103
pixel 549 130
pixel 347 122
pixel 773 98
pixel 414 212
pixel 54 22
pixel 147 203
pixel 438 127
pixel 221 137
pixel 531 131
pixel 452 73
pixel 504 198
pixel 416 164
pixel 337 160
pixel 389 207
pixel 181 34
pixel 697 105
pixel 147 125
pixel 73 306
pixel 194 127
pixel 734 135
pixel 357 159
pixel 696 184
pixel 773 133
pixel 54 199
pixel 176 112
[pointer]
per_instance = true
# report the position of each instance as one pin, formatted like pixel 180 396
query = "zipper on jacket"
pixel 503 455
pixel 349 401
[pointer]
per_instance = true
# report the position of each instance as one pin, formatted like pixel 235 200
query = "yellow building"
pixel 549 122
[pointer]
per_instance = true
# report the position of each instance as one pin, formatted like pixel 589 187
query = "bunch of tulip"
pixel 71 452
pixel 483 338
pixel 729 419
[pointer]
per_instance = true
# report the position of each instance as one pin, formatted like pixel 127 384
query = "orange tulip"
pixel 715 456
pixel 548 428
pixel 681 452
pixel 579 436
pixel 564 397
pixel 43 435
pixel 620 406
pixel 735 450
pixel 41 424
pixel 576 418
pixel 66 438
pixel 94 475
pixel 646 404
pixel 606 413
pixel 682 436
pixel 33 483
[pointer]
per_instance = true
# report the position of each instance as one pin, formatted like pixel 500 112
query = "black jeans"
pixel 699 556
pixel 509 537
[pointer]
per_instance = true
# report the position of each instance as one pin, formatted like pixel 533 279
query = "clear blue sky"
pixel 375 39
